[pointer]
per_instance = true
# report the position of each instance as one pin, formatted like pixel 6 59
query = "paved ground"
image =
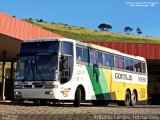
pixel 30 111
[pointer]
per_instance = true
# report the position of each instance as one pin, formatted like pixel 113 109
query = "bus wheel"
pixel 126 102
pixel 133 98
pixel 77 99
pixel 127 98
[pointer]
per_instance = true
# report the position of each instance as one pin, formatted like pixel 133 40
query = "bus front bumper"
pixel 36 94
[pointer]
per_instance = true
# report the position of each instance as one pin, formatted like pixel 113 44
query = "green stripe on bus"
pixel 99 84
pixel 93 74
pixel 104 85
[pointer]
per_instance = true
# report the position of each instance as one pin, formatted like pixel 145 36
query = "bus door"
pixel 66 62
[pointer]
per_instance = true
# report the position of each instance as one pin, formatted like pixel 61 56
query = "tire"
pixel 127 100
pixel 77 99
pixel 133 99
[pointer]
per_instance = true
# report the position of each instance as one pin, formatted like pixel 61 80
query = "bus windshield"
pixel 38 67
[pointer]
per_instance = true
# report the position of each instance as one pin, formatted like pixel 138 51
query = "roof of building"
pixel 13 31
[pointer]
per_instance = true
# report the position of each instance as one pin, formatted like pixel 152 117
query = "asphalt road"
pixel 30 111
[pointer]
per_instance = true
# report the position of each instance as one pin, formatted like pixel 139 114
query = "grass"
pixel 84 34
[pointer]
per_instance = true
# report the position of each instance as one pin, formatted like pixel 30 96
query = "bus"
pixel 68 70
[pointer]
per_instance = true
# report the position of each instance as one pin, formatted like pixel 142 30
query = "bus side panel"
pixel 120 85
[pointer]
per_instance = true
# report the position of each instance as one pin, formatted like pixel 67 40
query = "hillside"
pixel 84 34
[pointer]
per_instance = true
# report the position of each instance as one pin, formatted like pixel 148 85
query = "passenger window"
pixel 143 68
pixel 85 55
pixel 119 62
pixel 111 60
pixel 139 67
pixel 99 58
pixel 79 54
pixel 116 62
pixel 135 66
pixel 129 64
pixel 105 59
pixel 96 57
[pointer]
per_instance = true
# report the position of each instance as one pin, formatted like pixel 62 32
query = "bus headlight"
pixel 48 86
pixel 49 92
pixel 18 93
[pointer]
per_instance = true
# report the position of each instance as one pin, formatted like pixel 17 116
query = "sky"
pixel 144 14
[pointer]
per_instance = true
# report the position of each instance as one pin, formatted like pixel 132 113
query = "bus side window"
pixel 106 59
pixel 143 68
pixel 139 67
pixel 121 62
pixel 135 66
pixel 93 56
pixel 99 58
pixel 111 60
pixel 131 64
pixel 78 54
pixel 127 64
pixel 85 55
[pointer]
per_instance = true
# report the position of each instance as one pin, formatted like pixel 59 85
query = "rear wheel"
pixel 133 99
pixel 77 99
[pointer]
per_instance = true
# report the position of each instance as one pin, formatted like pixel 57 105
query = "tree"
pixel 104 27
pixel 30 19
pixel 128 29
pixel 139 31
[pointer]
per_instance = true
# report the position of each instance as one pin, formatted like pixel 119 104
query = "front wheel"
pixel 77 99
pixel 127 100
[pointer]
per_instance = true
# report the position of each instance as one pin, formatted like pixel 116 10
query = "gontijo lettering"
pixel 123 76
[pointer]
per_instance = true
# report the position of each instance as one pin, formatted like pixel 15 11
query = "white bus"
pixel 69 70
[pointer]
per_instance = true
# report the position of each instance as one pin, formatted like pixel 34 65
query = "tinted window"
pixel 135 64
pixel 67 48
pixel 105 59
pixel 129 64
pixel 139 67
pixel 110 60
pixel 99 58
pixel 79 53
pixel 143 68
pixel 96 57
pixel 85 55
pixel 93 55
pixel 119 62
